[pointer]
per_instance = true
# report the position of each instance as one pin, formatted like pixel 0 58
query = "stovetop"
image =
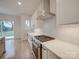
pixel 44 38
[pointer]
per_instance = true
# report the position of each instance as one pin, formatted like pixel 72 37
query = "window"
pixel 6 28
pixel 27 24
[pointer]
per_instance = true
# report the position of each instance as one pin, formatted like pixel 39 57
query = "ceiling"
pixel 11 7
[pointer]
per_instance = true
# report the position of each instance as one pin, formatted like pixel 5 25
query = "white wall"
pixel 17 29
pixel 23 31
pixel 49 27
pixel 69 33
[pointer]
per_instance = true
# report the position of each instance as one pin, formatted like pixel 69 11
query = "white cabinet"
pixel 47 54
pixel 44 53
pixel 51 55
pixel 53 6
pixel 67 11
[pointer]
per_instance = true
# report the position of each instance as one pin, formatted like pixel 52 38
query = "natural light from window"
pixel 27 24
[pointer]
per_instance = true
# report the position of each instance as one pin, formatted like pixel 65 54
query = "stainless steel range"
pixel 37 46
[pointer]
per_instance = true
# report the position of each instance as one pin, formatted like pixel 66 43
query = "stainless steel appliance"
pixel 37 46
pixel 36 50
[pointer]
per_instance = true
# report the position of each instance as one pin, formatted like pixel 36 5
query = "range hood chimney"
pixel 45 4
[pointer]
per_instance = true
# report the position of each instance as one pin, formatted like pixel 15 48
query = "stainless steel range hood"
pixel 45 4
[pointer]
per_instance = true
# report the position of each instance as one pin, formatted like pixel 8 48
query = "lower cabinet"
pixel 51 55
pixel 47 54
pixel 44 53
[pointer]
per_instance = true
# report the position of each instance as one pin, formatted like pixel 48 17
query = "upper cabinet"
pixel 67 11
pixel 53 6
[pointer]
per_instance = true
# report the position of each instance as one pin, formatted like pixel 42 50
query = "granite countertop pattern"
pixel 63 49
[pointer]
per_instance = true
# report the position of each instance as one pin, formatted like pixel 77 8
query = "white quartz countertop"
pixel 35 34
pixel 63 49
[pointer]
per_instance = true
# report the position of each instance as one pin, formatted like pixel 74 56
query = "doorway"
pixel 6 29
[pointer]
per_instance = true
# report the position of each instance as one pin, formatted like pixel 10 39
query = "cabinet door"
pixel 52 55
pixel 30 40
pixel 53 6
pixel 67 11
pixel 44 53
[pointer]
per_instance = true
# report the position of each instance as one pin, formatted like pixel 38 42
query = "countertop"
pixel 35 34
pixel 63 49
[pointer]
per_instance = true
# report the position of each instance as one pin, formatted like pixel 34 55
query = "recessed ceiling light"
pixel 19 3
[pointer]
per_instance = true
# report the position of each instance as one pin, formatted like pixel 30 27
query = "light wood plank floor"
pixel 17 49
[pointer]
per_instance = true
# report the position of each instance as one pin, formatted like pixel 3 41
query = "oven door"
pixel 36 51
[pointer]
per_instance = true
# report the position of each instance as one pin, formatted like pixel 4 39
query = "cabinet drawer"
pixel 51 55
pixel 44 53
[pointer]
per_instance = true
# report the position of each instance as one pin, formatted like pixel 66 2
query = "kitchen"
pixel 53 30
pixel 57 19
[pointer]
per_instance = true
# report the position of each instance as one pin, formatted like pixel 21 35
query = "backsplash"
pixel 69 33
pixel 49 27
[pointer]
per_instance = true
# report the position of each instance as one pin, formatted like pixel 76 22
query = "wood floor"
pixel 17 49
